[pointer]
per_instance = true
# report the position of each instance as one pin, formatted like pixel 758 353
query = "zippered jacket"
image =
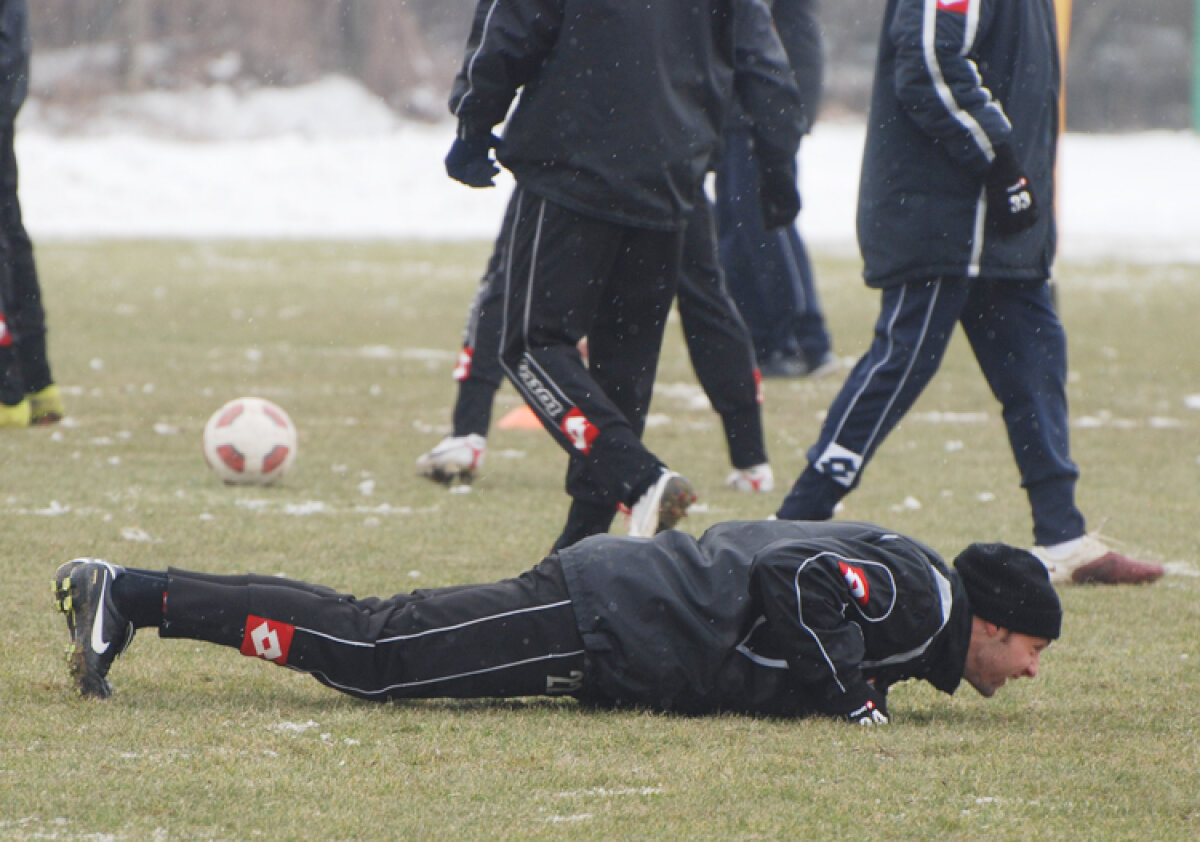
pixel 621 103
pixel 766 617
pixel 954 80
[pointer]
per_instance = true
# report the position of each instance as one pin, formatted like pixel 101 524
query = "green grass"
pixel 356 341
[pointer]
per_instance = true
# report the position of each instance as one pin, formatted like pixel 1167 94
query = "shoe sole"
pixel 87 682
pixel 444 477
pixel 1113 569
pixel 677 497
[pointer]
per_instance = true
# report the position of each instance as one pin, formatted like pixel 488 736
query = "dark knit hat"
pixel 1011 588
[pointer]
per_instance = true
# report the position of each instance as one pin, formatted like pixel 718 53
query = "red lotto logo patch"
pixel 579 430
pixel 5 337
pixel 959 6
pixel 267 639
pixel 856 582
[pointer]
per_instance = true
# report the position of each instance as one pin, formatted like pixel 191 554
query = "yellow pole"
pixel 1062 10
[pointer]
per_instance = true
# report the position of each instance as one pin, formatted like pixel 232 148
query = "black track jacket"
pixel 954 79
pixel 767 617
pixel 621 103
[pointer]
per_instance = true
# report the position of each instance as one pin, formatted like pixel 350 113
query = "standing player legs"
pixel 561 283
pixel 719 344
pixel 1022 351
pixel 914 327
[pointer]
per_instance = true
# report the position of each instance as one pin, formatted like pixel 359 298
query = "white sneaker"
pixel 662 506
pixel 454 458
pixel 1088 560
pixel 755 479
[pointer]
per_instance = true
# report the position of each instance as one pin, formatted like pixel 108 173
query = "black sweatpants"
pixel 567 275
pixel 517 637
pixel 718 344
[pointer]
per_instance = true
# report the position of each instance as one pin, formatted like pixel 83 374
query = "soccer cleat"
pixel 99 633
pixel 15 416
pixel 755 479
pixel 454 458
pixel 1089 561
pixel 46 406
pixel 662 506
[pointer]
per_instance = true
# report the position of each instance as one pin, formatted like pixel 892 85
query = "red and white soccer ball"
pixel 250 441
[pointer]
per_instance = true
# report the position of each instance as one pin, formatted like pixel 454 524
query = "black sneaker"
pixel 83 592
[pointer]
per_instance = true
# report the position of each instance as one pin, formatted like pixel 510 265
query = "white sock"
pixel 1060 552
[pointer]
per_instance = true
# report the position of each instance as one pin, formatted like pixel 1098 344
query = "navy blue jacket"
pixel 954 80
pixel 621 103
pixel 14 57
pixel 780 618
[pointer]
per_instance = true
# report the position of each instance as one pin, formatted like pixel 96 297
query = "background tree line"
pixel 1130 64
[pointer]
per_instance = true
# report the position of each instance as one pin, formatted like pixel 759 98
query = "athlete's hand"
pixel 863 705
pixel 1010 199
pixel 470 160
pixel 777 191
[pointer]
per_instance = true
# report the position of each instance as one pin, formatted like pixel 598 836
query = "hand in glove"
pixel 469 159
pixel 868 713
pixel 862 704
pixel 777 192
pixel 1010 199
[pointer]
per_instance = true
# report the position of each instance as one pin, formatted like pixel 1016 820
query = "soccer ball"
pixel 250 441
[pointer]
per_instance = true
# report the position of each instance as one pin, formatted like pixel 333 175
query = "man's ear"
pixel 988 627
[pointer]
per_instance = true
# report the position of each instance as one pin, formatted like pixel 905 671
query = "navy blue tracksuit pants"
pixel 1021 349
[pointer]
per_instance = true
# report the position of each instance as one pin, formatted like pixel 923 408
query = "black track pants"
pixel 517 637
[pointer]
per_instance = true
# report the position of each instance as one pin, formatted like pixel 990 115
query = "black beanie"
pixel 1011 588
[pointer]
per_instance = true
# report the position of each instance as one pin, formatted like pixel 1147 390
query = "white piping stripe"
pixel 945 94
pixel 401 637
pixel 908 370
pixel 870 376
pixel 974 266
pixel 946 595
pixel 471 64
pixel 404 684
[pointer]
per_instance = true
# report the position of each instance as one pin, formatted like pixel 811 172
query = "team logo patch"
pixel 5 337
pixel 856 582
pixel 462 369
pixel 758 390
pixel 267 639
pixel 958 6
pixel 839 464
pixel 579 430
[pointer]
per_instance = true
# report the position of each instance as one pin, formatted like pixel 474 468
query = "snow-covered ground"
pixel 329 160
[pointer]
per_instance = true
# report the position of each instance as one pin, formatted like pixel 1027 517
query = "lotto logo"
pixel 959 6
pixel 5 337
pixel 579 430
pixel 267 639
pixel 839 464
pixel 463 368
pixel 856 582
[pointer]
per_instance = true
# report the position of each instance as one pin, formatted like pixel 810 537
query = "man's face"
pixel 995 655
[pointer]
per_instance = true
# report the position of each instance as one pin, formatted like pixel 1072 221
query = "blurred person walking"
pixel 28 394
pixel 956 226
pixel 767 270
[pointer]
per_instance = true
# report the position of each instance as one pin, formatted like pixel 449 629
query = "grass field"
pixel 357 341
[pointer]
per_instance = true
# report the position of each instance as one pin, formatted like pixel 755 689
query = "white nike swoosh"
pixel 99 644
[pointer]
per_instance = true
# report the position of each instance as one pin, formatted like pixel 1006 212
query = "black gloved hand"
pixel 1010 199
pixel 862 704
pixel 469 159
pixel 777 191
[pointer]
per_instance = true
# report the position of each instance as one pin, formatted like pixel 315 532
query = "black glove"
pixel 777 191
pixel 1010 198
pixel 469 159
pixel 861 704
